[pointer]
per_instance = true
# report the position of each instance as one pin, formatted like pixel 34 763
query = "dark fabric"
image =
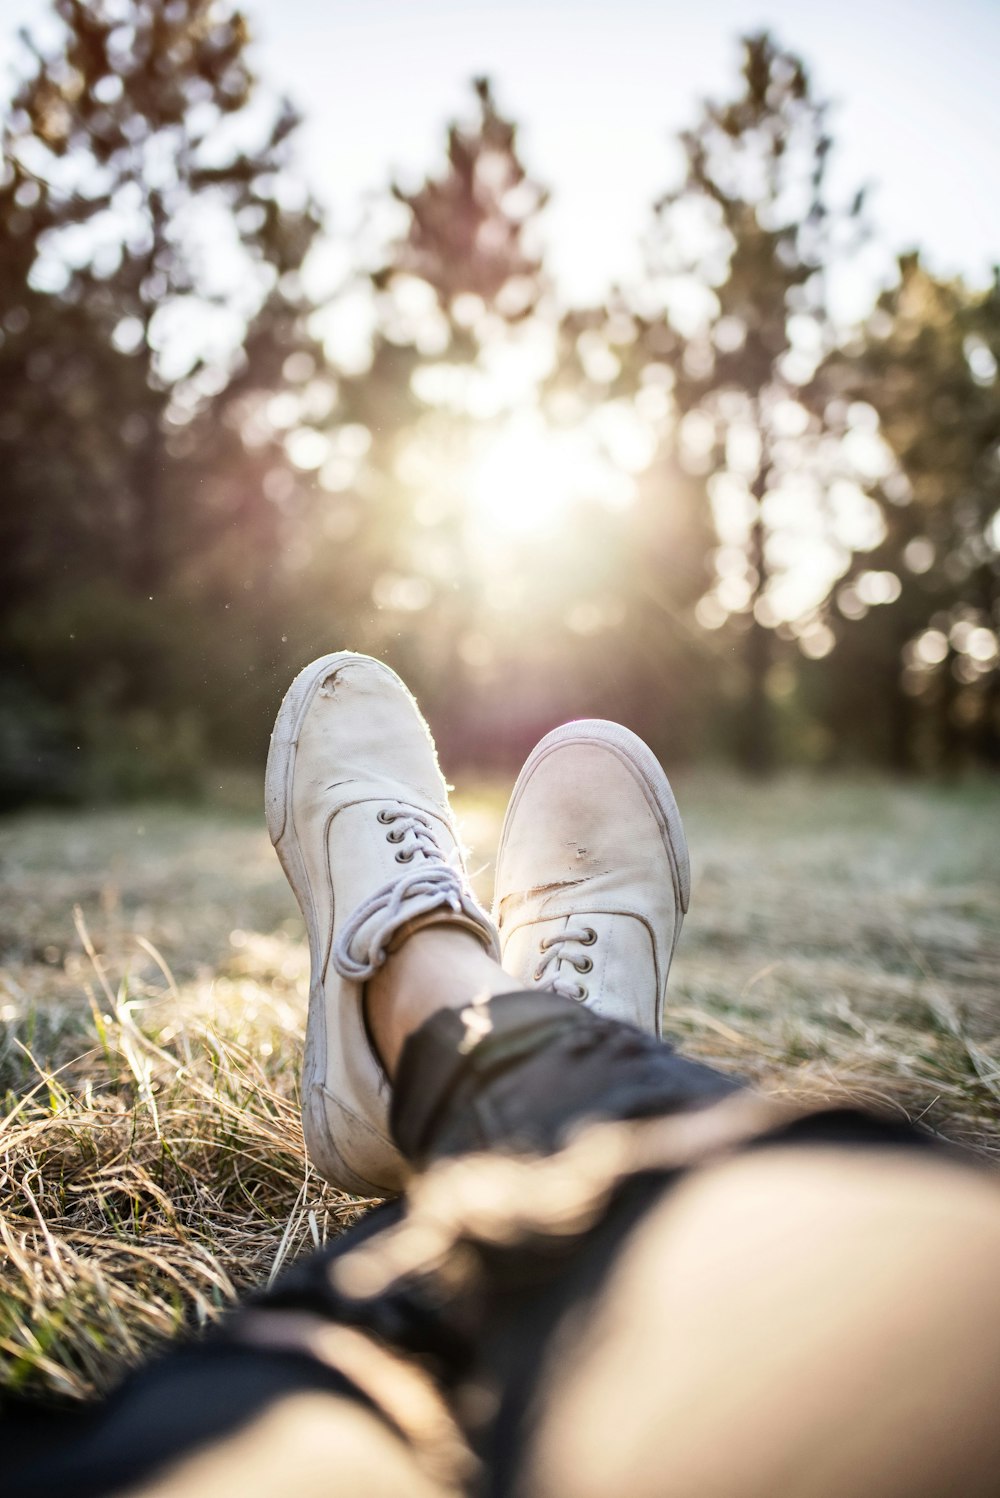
pixel 531 1071
pixel 185 1399
pixel 543 1067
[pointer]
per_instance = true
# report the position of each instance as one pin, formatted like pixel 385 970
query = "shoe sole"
pixel 646 770
pixel 278 777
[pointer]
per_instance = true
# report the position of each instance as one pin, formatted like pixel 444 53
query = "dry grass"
pixel 842 938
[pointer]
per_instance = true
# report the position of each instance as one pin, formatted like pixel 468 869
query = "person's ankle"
pixel 438 967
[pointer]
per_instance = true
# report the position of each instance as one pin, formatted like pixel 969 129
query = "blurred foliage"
pixel 136 519
pixel 921 675
pixel 750 232
pixel 703 507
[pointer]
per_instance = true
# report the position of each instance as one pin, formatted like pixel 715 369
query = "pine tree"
pixel 467 232
pixel 131 135
pixel 669 675
pixel 927 363
pixel 152 241
pixel 739 253
pixel 456 282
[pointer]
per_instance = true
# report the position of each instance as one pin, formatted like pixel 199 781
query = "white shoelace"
pixel 554 955
pixel 363 942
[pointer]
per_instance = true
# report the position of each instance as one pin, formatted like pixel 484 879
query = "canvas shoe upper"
pixel 592 878
pixel 357 810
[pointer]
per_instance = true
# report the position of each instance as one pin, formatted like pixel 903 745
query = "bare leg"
pixel 437 968
pixel 812 1322
pixel 295 1446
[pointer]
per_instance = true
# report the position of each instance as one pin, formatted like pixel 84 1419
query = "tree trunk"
pixel 949 733
pixel 756 740
pixel 899 708
pixel 987 737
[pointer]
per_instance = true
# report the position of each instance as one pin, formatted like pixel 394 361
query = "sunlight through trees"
pixel 706 506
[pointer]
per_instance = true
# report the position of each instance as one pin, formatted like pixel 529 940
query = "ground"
pixel 844 938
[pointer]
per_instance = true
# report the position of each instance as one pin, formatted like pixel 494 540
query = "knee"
pixel 809 1321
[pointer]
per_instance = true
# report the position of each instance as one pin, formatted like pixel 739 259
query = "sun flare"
pixel 526 480
pixel 529 477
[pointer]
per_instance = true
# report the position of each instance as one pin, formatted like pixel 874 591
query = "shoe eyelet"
pixel 395 836
pixel 586 966
pixel 405 857
pixel 582 992
pixel 536 976
pixel 385 817
pixel 590 938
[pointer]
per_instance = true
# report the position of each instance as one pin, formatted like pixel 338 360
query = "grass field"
pixel 844 938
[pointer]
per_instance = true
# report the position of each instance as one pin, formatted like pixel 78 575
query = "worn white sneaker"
pixel 358 812
pixel 592 878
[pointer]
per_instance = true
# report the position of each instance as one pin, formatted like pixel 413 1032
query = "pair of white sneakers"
pixel 592 881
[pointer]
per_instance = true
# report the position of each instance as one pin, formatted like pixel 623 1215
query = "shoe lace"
pixel 554 954
pixel 363 942
pixel 412 831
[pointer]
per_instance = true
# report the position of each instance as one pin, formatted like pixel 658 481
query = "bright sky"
pixel 601 85
pixel 600 88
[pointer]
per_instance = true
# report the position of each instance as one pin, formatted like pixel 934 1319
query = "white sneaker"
pixel 592 878
pixel 358 812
